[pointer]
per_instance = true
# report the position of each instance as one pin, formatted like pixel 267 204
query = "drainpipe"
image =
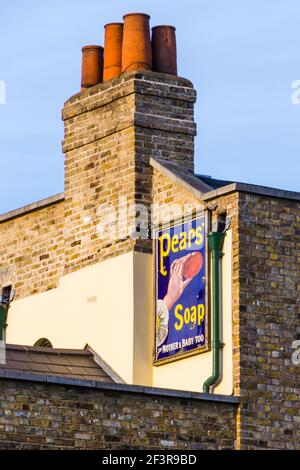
pixel 3 317
pixel 5 300
pixel 215 244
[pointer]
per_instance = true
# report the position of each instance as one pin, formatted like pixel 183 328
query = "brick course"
pixel 33 247
pixel 269 322
pixel 49 416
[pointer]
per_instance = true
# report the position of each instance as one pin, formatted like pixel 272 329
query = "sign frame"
pixel 207 345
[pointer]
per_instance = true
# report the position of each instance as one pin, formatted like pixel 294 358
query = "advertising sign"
pixel 180 264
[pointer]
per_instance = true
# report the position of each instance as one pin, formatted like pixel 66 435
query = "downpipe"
pixel 3 319
pixel 215 245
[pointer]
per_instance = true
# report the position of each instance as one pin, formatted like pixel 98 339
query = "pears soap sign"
pixel 180 291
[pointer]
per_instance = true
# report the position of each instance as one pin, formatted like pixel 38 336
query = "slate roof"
pixel 212 182
pixel 71 363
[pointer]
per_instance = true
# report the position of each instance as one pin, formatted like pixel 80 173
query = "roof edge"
pixel 41 204
pixel 181 177
pixel 252 189
pixel 117 387
pixel 204 192
pixel 46 350
pixel 107 369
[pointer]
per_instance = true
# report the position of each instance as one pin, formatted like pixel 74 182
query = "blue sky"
pixel 242 57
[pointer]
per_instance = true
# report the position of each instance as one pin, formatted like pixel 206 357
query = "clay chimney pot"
pixel 92 66
pixel 113 50
pixel 164 51
pixel 136 50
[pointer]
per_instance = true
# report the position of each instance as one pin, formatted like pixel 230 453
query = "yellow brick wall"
pixel 32 246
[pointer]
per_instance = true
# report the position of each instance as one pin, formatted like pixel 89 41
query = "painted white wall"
pixel 143 319
pixel 93 305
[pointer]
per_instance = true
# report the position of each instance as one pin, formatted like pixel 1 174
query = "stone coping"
pixel 205 193
pixel 161 78
pixel 181 176
pixel 253 189
pixel 117 387
pixel 49 201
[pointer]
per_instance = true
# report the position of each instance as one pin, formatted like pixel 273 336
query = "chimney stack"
pixel 113 130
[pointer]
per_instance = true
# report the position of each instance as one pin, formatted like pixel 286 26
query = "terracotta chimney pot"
pixel 136 50
pixel 164 49
pixel 113 50
pixel 92 66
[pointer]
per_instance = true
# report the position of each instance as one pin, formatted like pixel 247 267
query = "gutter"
pixel 215 244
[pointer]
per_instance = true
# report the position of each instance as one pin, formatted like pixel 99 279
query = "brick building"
pixel 84 277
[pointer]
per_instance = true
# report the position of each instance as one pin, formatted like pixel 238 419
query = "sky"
pixel 242 57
